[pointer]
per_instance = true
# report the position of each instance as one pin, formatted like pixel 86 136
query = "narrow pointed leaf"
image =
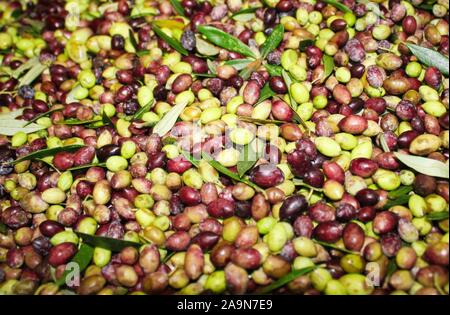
pixel 225 40
pixel 11 115
pixel 238 64
pixel 438 216
pixel 141 111
pixel 43 115
pixel 266 92
pixel 285 280
pixel 247 159
pixel 48 152
pixel 401 200
pixel 81 167
pixel 112 244
pixel 32 74
pixel 170 118
pixel 10 127
pixel 273 70
pixel 245 11
pixel 328 66
pixel 24 67
pixel 338 5
pixel 261 121
pixel 401 191
pixel 3 228
pixel 171 41
pixel 423 165
pixel 176 5
pixel 273 40
pixel 430 57
pixel 83 258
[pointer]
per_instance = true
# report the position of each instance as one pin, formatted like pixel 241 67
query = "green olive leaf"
pixel 401 191
pixel 190 158
pixel 383 143
pixel 3 228
pixel 171 41
pixel 76 122
pixel 305 44
pixel 112 244
pixel 238 64
pixel 266 92
pixel 273 40
pixel 245 11
pixel 273 70
pixel 260 121
pixel 141 111
pixel 247 159
pixel 328 66
pixel 170 118
pixel 35 118
pixel 438 216
pixel 81 167
pixel 430 167
pixel 176 5
pixel 338 5
pixel 430 57
pixel 401 200
pixel 225 40
pixel 334 246
pixel 204 75
pixel 82 258
pixel 141 53
pixel 294 274
pixel 48 152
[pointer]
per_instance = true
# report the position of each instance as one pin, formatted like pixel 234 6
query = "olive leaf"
pixel 430 57
pixel 305 44
pixel 299 182
pixel 225 40
pixel 401 200
pixel 82 259
pixel 190 158
pixel 112 244
pixel 76 168
pixel 401 191
pixel 260 121
pixel 423 165
pixel 133 40
pixel 266 92
pixel 238 64
pixel 48 152
pixel 328 66
pixel 338 5
pixel 171 41
pixel 334 246
pixel 273 40
pixel 35 118
pixel 294 274
pixel 11 127
pixel 141 111
pixel 211 66
pixel 141 53
pixel 176 5
pixel 11 115
pixel 204 75
pixel 247 159
pixel 76 122
pixel 25 66
pixel 383 143
pixel 32 74
pixel 3 228
pixel 245 15
pixel 273 70
pixel 438 216
pixel 250 68
pixel 170 118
